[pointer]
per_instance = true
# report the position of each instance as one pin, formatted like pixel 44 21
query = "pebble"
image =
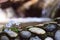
pixel 1 28
pixel 37 30
pixel 4 38
pixel 29 26
pixel 50 27
pixel 35 38
pixel 17 39
pixel 11 33
pixel 57 35
pixel 48 38
pixel 25 34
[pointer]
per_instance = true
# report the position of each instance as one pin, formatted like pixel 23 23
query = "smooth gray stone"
pixel 11 33
pixel 50 27
pixel 35 38
pixel 48 38
pixel 4 38
pixel 25 34
pixel 18 38
pixel 57 35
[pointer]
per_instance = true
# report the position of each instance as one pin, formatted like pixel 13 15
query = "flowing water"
pixel 50 10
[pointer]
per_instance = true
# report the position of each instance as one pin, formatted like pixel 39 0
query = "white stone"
pixel 11 33
pixel 37 30
pixel 48 38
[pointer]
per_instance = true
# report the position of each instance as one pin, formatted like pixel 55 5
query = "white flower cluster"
pixel 9 24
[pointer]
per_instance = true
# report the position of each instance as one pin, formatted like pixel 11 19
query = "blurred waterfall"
pixel 48 11
pixel 10 12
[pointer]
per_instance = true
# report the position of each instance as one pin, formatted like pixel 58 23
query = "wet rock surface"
pixel 17 39
pixel 37 30
pixel 48 38
pixel 35 38
pixel 57 35
pixel 25 34
pixel 4 38
pixel 1 28
pixel 51 27
pixel 45 32
pixel 11 33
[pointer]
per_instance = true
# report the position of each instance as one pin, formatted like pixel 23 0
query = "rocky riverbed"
pixel 46 31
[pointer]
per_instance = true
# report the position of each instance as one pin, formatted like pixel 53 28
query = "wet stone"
pixel 1 28
pixel 37 30
pixel 50 27
pixel 11 33
pixel 35 38
pixel 4 38
pixel 25 34
pixel 17 39
pixel 48 38
pixel 57 35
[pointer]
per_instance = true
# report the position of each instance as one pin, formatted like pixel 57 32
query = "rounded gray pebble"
pixel 57 35
pixel 4 38
pixel 17 39
pixel 25 34
pixel 50 27
pixel 35 38
pixel 48 38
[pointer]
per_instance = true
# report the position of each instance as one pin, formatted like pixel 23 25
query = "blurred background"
pixel 29 8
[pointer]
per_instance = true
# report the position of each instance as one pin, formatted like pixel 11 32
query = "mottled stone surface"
pixel 25 34
pixel 48 38
pixel 11 33
pixel 35 38
pixel 4 38
pixel 57 35
pixel 37 30
pixel 50 27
